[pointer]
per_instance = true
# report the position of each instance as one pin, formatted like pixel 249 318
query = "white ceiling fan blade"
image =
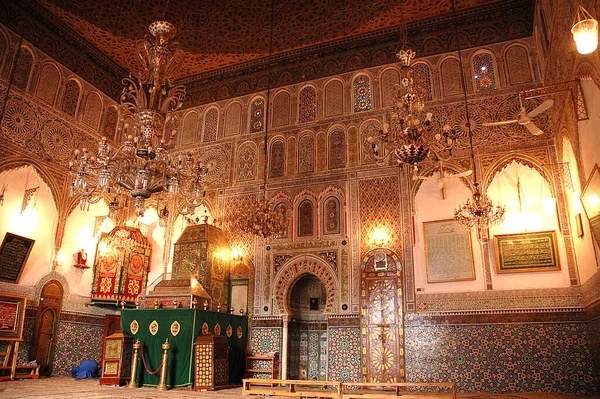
pixel 499 123
pixel 462 174
pixel 541 108
pixel 536 131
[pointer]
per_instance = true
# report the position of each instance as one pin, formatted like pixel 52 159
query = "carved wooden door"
pixel 47 326
pixel 382 323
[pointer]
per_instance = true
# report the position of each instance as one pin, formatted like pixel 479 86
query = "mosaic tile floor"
pixel 68 388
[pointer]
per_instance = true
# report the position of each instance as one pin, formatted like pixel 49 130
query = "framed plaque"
pixel 590 198
pixel 528 252
pixel 448 252
pixel 12 316
pixel 13 255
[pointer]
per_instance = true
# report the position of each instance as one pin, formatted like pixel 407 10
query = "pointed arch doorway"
pixel 46 326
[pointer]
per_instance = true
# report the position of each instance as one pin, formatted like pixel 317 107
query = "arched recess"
pixel 422 78
pixel 189 127
pixel 283 203
pixel 211 125
pixel 48 83
pixel 293 270
pixel 450 77
pixel 111 118
pixel 337 148
pixel 71 96
pixel 389 78
pixel 256 117
pixel 306 152
pixel 369 128
pixel 247 162
pixel 431 170
pixel 502 162
pixel 307 104
pixel 92 110
pixel 23 70
pixel 305 215
pixel 518 64
pixel 362 93
pixel 233 119
pixel 277 157
pixel 334 98
pixel 332 206
pixel 3 48
pixel 46 325
pixel 281 109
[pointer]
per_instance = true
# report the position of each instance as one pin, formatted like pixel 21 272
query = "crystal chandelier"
pixel 478 211
pixel 141 165
pixel 411 137
pixel 260 218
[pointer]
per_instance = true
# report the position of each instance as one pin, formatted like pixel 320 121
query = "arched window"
pixel 189 128
pixel 307 105
pixel 331 216
pixel 233 119
pixel 306 154
pixel 517 63
pixel 362 93
pixel 337 149
pixel 211 123
pixel 281 109
pixel 305 219
pixel 22 70
pixel 48 83
pixel 92 111
pixel 450 75
pixel 334 98
pixel 257 115
pixel 71 97
pixel 484 74
pixel 277 159
pixel 422 78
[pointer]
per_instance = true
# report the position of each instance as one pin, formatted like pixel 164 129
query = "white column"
pixel 284 346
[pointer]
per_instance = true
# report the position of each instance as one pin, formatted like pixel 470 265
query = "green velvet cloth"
pixel 192 322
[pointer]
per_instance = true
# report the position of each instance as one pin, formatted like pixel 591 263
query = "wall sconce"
pixel 585 32
pixel 380 236
pixel 236 255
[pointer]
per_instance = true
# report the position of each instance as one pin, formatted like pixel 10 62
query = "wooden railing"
pixel 344 390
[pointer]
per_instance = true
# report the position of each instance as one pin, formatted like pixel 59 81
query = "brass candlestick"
pixel 134 365
pixel 162 385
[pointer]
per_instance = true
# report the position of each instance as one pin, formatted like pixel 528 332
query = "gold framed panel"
pixel 12 316
pixel 448 252
pixel 526 252
pixel 590 198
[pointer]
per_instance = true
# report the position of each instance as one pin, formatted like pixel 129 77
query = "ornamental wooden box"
pixel 211 364
pixel 116 362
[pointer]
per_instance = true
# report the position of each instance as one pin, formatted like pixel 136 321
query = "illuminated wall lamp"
pixel 380 237
pixel 585 32
pixel 549 205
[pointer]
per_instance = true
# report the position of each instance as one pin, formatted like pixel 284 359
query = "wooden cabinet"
pixel 116 364
pixel 211 362
pixel 112 323
pixel 262 366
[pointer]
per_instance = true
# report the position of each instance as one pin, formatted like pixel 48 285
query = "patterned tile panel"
pixel 266 340
pixel 344 354
pixel 503 357
pixel 76 342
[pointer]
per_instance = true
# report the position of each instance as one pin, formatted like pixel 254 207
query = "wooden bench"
pixel 295 388
pixel 10 364
pixel 399 391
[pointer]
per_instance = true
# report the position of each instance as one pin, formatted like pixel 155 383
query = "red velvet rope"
pixel 144 361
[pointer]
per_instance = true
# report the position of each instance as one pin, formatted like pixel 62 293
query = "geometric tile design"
pixel 501 358
pixel 266 340
pixel 344 354
pixel 76 342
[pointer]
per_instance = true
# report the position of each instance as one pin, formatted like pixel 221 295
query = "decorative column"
pixel 284 346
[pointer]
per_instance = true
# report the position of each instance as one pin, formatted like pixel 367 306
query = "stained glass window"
pixel 483 67
pixel 307 104
pixel 257 115
pixel 422 79
pixel 331 216
pixel 277 162
pixel 22 69
pixel 71 97
pixel 337 149
pixel 211 122
pixel 306 154
pixel 362 93
pixel 305 219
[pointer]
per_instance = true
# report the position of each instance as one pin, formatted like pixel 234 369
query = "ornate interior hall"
pixel 381 191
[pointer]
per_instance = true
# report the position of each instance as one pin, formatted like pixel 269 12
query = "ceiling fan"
pixel 442 175
pixel 524 117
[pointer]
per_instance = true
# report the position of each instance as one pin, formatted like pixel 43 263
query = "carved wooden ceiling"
pixel 224 33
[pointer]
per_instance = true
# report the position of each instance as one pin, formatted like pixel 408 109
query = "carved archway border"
pixel 297 267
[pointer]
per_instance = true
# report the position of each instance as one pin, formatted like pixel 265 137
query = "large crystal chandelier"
pixel 141 165
pixel 478 211
pixel 412 135
pixel 260 218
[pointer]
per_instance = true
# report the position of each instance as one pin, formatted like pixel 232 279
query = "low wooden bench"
pixel 399 391
pixel 295 388
pixel 9 364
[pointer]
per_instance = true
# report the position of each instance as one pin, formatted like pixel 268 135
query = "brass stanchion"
pixel 134 365
pixel 162 385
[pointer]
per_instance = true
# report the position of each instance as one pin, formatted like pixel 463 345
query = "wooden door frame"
pixel 55 304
